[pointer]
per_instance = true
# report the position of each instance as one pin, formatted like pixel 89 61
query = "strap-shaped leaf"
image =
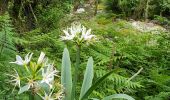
pixel 23 89
pixel 120 96
pixel 88 77
pixel 66 78
pixel 94 86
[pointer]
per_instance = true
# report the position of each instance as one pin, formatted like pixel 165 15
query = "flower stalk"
pixel 76 71
pixel 32 96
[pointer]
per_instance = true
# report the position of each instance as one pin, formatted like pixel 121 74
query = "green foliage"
pixel 88 77
pixel 87 86
pixel 131 49
pixel 124 6
pixel 120 47
pixel 162 20
pixel 50 17
pixel 95 85
pixel 120 83
pixel 7 52
pixel 164 5
pixel 66 76
pixel 6 37
pixel 35 41
pixel 160 96
pixel 138 8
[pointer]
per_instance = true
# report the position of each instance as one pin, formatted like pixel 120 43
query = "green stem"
pixel 32 96
pixel 76 73
pixel 26 68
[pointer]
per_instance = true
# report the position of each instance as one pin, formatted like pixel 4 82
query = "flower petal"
pixel 30 56
pixel 41 58
pixel 19 59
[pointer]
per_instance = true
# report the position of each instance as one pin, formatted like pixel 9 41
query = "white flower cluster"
pixel 78 33
pixel 46 71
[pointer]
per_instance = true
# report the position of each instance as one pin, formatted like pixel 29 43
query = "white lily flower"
pixel 41 58
pixel 20 61
pixel 48 75
pixel 16 79
pixel 79 32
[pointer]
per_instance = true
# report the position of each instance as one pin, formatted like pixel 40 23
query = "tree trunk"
pixel 147 10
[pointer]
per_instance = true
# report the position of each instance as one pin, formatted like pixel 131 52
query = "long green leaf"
pixel 88 77
pixel 23 89
pixel 66 78
pixel 94 86
pixel 120 96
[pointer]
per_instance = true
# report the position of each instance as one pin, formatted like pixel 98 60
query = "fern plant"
pixel 6 37
pixel 7 52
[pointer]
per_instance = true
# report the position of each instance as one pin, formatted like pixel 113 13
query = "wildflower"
pixel 16 79
pixel 48 75
pixel 77 33
pixel 41 58
pixel 20 61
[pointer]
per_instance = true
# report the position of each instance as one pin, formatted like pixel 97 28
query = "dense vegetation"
pixel 133 41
